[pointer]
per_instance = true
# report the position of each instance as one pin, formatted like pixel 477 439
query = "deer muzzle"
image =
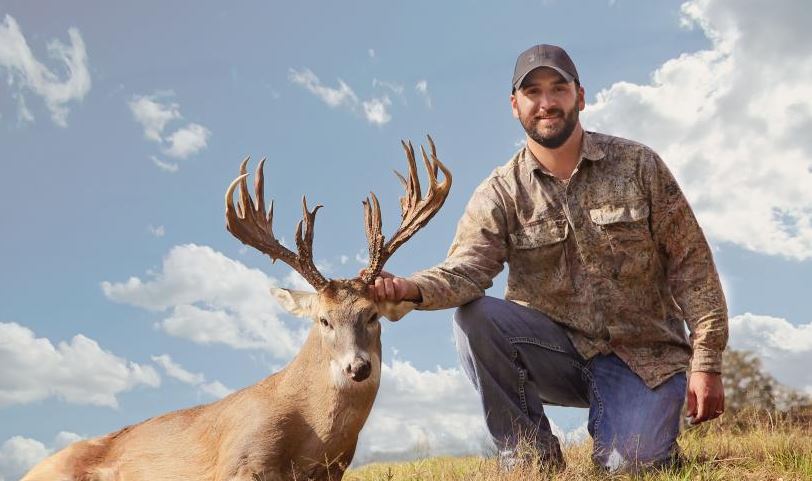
pixel 358 369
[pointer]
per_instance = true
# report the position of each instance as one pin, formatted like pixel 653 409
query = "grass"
pixel 740 448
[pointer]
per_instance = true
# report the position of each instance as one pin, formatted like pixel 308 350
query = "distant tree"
pixel 748 386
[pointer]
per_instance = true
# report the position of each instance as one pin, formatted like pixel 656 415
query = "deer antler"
pixel 415 210
pixel 252 227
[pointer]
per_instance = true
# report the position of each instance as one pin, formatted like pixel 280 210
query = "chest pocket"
pixel 543 233
pixel 624 227
pixel 538 258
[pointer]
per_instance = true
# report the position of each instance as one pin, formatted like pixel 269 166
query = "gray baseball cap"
pixel 544 55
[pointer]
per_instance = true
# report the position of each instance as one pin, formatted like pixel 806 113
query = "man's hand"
pixel 706 396
pixel 395 289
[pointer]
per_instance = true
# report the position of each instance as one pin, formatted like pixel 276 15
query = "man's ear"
pixel 395 310
pixel 581 99
pixel 298 303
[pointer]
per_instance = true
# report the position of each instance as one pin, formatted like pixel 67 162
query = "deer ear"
pixel 298 303
pixel 395 310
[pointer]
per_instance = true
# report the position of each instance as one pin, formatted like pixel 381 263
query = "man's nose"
pixel 547 101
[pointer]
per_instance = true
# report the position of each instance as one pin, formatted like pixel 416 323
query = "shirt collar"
pixel 590 149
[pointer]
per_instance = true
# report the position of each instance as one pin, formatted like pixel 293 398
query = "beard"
pixel 553 137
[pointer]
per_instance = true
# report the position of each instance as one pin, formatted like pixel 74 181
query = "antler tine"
pixel 304 244
pixel 375 239
pixel 246 204
pixel 416 211
pixel 259 188
pixel 253 227
pixel 413 191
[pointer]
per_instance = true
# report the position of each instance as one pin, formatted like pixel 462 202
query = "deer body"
pixel 301 423
pixel 295 424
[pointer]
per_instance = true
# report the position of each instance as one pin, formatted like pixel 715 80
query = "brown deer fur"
pixel 301 423
pixel 298 423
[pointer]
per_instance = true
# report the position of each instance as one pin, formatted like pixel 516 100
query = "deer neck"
pixel 311 375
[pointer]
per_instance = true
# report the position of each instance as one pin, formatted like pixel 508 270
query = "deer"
pixel 303 421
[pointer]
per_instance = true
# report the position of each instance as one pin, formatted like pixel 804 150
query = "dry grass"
pixel 739 448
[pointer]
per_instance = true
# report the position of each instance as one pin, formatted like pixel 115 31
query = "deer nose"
pixel 359 369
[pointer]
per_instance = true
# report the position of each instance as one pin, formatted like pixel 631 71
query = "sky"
pixel 122 296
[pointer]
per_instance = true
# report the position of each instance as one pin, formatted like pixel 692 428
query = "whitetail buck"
pixel 301 422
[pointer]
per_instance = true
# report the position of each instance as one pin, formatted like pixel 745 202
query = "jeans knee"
pixel 472 317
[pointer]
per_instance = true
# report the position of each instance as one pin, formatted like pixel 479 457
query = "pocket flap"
pixel 613 213
pixel 541 234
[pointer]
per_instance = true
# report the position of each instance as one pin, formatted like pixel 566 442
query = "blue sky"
pixel 123 123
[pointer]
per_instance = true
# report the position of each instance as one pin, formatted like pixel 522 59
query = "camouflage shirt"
pixel 614 254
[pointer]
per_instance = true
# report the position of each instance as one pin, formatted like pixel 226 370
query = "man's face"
pixel 547 107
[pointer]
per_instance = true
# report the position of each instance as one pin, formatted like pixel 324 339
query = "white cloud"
pixel 375 110
pixel 428 413
pixel 785 349
pixel 159 231
pixel 216 389
pixel 79 371
pixel 210 298
pixel 187 141
pixel 170 167
pixel 174 370
pixel 362 256
pixel 19 454
pixel 422 412
pixel 576 436
pixel 294 280
pixel 371 53
pixel 393 87
pixel 732 122
pixel 155 114
pixel 333 97
pixel 422 88
pixel 24 115
pixel 26 72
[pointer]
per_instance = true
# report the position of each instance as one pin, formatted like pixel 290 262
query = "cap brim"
pixel 569 78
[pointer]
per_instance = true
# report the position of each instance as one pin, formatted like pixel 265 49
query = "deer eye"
pixel 325 323
pixel 372 319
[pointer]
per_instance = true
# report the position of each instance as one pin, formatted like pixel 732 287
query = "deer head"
pixel 346 318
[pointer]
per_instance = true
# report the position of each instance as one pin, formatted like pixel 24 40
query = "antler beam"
pixel 416 211
pixel 249 223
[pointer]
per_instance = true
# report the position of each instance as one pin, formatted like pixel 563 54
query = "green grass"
pixel 736 449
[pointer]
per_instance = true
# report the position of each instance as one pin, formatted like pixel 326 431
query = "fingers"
pixel 706 397
pixel 701 410
pixel 389 288
pixel 401 288
pixel 380 289
pixel 691 410
pixel 384 289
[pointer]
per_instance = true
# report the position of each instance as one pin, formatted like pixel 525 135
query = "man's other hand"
pixel 387 287
pixel 706 396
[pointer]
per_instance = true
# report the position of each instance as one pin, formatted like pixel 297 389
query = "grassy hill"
pixel 740 448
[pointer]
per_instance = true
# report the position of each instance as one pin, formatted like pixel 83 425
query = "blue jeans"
pixel 519 359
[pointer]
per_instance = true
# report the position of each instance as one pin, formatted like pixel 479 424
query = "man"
pixel 607 265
